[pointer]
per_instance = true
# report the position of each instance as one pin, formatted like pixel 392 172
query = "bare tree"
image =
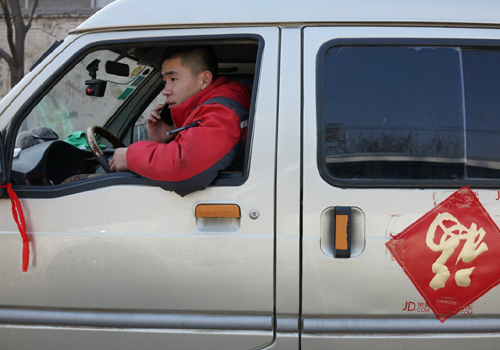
pixel 16 36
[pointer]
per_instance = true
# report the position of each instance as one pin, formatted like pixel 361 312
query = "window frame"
pixel 478 44
pixel 26 191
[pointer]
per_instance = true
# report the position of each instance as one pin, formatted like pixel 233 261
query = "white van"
pixel 376 111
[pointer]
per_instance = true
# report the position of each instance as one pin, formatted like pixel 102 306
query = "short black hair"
pixel 197 58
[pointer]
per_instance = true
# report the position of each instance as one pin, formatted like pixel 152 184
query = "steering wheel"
pixel 94 147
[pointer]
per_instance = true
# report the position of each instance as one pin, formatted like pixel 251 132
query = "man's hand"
pixel 119 160
pixel 157 128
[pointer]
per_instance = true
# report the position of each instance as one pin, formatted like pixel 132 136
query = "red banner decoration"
pixel 451 253
pixel 17 214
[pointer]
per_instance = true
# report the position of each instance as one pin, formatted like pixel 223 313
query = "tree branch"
pixel 10 31
pixel 16 14
pixel 32 15
pixel 5 56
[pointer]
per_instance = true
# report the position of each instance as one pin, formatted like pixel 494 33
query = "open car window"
pixel 114 88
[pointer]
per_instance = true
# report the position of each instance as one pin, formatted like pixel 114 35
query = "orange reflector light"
pixel 217 211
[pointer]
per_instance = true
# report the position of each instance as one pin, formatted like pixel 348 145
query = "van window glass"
pixel 482 103
pixel 403 113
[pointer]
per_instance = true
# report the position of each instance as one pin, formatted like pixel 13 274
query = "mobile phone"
pixel 165 115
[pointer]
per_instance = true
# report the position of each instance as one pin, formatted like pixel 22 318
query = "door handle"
pixel 342 233
pixel 217 217
pixel 217 211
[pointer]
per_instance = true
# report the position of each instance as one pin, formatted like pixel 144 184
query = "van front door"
pixel 127 265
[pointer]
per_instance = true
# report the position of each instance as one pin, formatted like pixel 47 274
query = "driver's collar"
pixel 181 112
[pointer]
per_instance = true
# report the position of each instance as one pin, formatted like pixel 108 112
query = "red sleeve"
pixel 193 150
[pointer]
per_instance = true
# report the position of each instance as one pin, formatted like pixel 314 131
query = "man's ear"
pixel 206 79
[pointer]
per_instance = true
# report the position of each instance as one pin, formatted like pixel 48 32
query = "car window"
pixel 409 113
pixel 114 88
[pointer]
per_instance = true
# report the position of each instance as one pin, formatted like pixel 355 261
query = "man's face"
pixel 180 83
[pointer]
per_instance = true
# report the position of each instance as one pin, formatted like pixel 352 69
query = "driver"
pixel 211 113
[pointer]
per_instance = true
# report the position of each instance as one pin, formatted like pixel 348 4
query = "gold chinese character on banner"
pixel 449 241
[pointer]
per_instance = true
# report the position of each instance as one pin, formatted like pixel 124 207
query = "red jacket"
pixel 193 159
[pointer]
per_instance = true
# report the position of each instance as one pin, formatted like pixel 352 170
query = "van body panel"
pixel 83 338
pixel 122 14
pixel 415 342
pixel 288 184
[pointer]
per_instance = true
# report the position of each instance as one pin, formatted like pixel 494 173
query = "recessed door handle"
pixel 217 211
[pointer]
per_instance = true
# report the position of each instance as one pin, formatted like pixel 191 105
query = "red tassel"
pixel 17 213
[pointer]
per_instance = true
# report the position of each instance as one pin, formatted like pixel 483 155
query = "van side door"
pixel 395 121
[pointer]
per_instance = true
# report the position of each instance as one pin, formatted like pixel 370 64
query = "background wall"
pixel 53 20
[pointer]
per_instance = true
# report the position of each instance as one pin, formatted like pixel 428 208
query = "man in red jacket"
pixel 215 112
